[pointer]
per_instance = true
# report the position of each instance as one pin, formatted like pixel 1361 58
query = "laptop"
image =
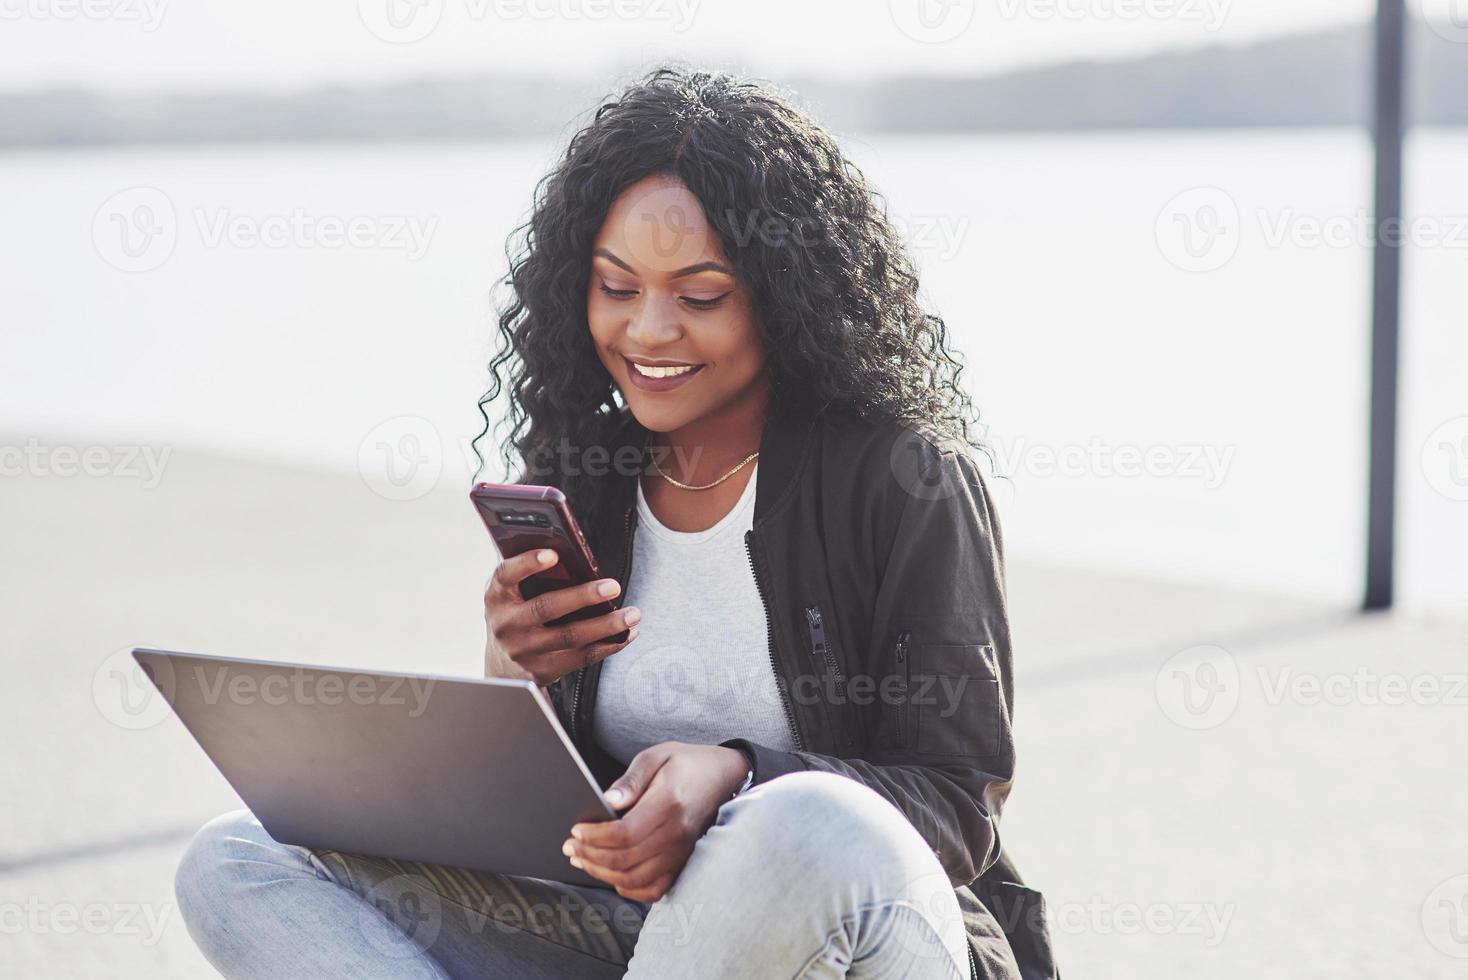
pixel 471 773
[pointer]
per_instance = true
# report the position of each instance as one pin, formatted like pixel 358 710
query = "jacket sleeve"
pixel 939 743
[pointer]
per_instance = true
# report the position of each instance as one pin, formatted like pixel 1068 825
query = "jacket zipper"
pixel 825 654
pixel 626 578
pixel 759 587
pixel 905 673
pixel 820 648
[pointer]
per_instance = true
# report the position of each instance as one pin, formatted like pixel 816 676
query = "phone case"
pixel 523 518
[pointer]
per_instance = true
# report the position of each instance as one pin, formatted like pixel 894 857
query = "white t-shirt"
pixel 699 670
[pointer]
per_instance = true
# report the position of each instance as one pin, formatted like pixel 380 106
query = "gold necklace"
pixel 707 486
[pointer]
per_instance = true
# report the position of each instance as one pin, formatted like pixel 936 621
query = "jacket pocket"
pixel 954 693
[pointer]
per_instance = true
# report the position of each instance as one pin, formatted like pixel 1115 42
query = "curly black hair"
pixel 834 291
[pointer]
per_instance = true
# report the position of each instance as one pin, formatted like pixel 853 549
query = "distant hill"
pixel 1302 80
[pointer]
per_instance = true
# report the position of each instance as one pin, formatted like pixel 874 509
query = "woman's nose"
pixel 654 323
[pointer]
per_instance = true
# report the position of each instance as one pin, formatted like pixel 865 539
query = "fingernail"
pixel 545 557
pixel 569 849
pixel 632 634
pixel 615 796
pixel 575 862
pixel 609 588
pixel 576 832
pixel 632 616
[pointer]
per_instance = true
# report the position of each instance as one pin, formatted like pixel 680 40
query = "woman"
pixel 715 348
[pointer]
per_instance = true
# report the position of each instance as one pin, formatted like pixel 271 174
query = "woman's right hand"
pixel 521 647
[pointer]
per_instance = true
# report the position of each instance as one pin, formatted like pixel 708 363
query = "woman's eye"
pixel 618 293
pixel 705 304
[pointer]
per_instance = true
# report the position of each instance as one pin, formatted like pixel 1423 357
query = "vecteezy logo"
pixel 1199 229
pixel 402 458
pixel 661 228
pixel 932 21
pixel 917 467
pixel 1445 917
pixel 1445 458
pixel 931 895
pixel 663 685
pixel 135 230
pixel 414 915
pixel 128 695
pixel 400 21
pixel 1448 18
pixel 1198 688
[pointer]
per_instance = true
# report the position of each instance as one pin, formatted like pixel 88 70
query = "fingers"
pixel 595 653
pixel 646 882
pixel 553 605
pixel 663 838
pixel 571 637
pixel 624 833
pixel 512 571
pixel 640 853
pixel 548 606
pixel 630 786
pixel 547 667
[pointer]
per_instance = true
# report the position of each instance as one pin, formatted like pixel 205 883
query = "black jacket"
pixel 878 559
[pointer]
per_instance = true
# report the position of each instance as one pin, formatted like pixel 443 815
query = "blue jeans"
pixel 811 875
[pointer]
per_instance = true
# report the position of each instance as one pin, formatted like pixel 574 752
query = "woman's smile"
pixel 659 375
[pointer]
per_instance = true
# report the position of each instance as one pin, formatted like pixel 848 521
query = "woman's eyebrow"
pixel 604 253
pixel 701 267
pixel 686 271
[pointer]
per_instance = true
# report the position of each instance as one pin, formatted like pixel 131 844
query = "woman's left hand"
pixel 673 791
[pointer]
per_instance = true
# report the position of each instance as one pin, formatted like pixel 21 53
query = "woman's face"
pixel 669 321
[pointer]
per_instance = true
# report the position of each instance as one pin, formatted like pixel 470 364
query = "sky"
pixel 163 45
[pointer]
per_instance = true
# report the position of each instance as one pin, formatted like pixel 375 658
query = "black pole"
pixel 1389 129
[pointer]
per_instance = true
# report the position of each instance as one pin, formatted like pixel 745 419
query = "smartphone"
pixel 523 518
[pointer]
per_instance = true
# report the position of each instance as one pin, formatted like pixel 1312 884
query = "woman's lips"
pixel 667 382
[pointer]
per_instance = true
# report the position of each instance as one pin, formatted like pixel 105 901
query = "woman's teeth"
pixel 648 371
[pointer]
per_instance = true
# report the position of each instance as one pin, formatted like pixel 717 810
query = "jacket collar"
pixel 782 453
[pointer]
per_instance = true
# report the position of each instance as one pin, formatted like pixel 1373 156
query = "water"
pixel 1093 304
